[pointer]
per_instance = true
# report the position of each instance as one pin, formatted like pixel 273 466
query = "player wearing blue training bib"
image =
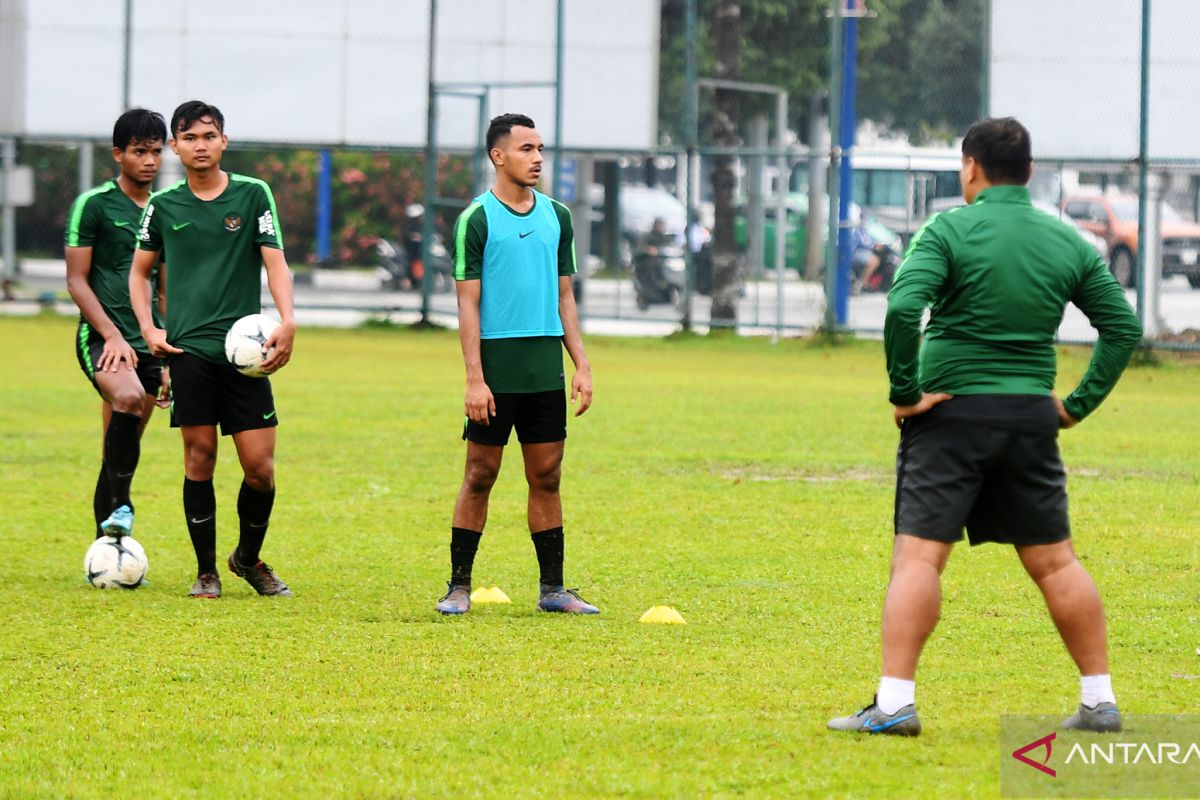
pixel 514 256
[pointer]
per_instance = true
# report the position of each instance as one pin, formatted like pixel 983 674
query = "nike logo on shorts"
pixel 178 226
pixel 268 416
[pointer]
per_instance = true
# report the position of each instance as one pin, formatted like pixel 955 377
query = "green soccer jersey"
pixel 214 264
pixel 996 276
pixel 518 258
pixel 106 220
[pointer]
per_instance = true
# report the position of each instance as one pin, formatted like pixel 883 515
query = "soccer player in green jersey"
pixel 219 230
pixel 100 242
pixel 979 419
pixel 514 255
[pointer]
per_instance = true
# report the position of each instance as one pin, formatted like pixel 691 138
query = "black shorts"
pixel 88 347
pixel 208 393
pixel 987 462
pixel 539 417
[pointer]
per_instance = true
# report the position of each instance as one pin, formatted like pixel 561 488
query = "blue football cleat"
pixel 563 601
pixel 119 523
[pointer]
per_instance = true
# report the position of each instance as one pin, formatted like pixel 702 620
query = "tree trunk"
pixel 725 274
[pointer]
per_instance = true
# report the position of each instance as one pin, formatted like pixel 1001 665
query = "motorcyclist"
pixel 412 236
pixel 650 250
pixel 864 258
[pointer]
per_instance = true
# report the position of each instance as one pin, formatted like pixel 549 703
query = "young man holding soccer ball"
pixel 514 256
pixel 220 230
pixel 100 240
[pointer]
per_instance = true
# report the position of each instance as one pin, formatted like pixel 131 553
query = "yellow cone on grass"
pixel 663 615
pixel 483 596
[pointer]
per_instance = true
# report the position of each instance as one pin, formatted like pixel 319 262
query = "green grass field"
pixel 745 484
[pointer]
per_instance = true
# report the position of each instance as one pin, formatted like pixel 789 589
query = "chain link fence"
pixel 924 71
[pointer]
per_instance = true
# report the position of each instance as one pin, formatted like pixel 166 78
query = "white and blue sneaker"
pixel 119 523
pixel 871 720
pixel 1101 718
pixel 457 599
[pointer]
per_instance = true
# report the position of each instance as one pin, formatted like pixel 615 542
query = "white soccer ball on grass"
pixel 244 343
pixel 115 563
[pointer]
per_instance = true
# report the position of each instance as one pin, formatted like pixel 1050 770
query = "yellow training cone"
pixel 483 596
pixel 663 615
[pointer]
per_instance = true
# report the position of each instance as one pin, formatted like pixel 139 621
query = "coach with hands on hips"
pixel 979 419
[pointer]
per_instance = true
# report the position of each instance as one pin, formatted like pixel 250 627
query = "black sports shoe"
pixel 260 576
pixel 206 585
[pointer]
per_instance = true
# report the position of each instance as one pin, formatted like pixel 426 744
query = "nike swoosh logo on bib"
pixel 523 235
pixel 180 226
pixel 122 223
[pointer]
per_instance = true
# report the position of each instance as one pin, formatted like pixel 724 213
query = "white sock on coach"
pixel 1096 689
pixel 894 694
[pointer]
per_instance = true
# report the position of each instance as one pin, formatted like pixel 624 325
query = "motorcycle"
pixel 881 279
pixel 397 273
pixel 659 275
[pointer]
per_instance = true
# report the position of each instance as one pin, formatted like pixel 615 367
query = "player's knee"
pixel 1045 561
pixel 128 400
pixel 480 478
pixel 547 480
pixel 261 476
pixel 200 462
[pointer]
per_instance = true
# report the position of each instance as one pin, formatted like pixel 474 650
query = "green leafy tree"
pixel 919 62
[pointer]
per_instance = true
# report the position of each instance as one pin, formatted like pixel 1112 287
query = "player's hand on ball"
pixel 581 386
pixel 479 404
pixel 926 402
pixel 156 340
pixel 278 347
pixel 115 351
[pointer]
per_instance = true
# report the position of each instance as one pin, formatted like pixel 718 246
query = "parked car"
pixel 795 248
pixel 1114 218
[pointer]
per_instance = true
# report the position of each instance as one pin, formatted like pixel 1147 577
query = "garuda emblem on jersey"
pixel 233 222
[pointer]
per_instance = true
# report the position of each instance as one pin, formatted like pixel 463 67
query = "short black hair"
pixel 1001 146
pixel 193 110
pixel 138 125
pixel 502 126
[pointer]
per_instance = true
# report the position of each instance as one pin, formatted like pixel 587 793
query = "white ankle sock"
pixel 1096 689
pixel 894 694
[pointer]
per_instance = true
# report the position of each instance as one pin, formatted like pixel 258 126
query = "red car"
pixel 1114 218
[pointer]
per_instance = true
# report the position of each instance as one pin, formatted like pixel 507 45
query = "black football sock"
pixel 549 547
pixel 254 514
pixel 200 510
pixel 122 449
pixel 102 499
pixel 463 544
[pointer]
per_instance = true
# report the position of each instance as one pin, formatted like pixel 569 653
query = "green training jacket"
pixel 996 276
